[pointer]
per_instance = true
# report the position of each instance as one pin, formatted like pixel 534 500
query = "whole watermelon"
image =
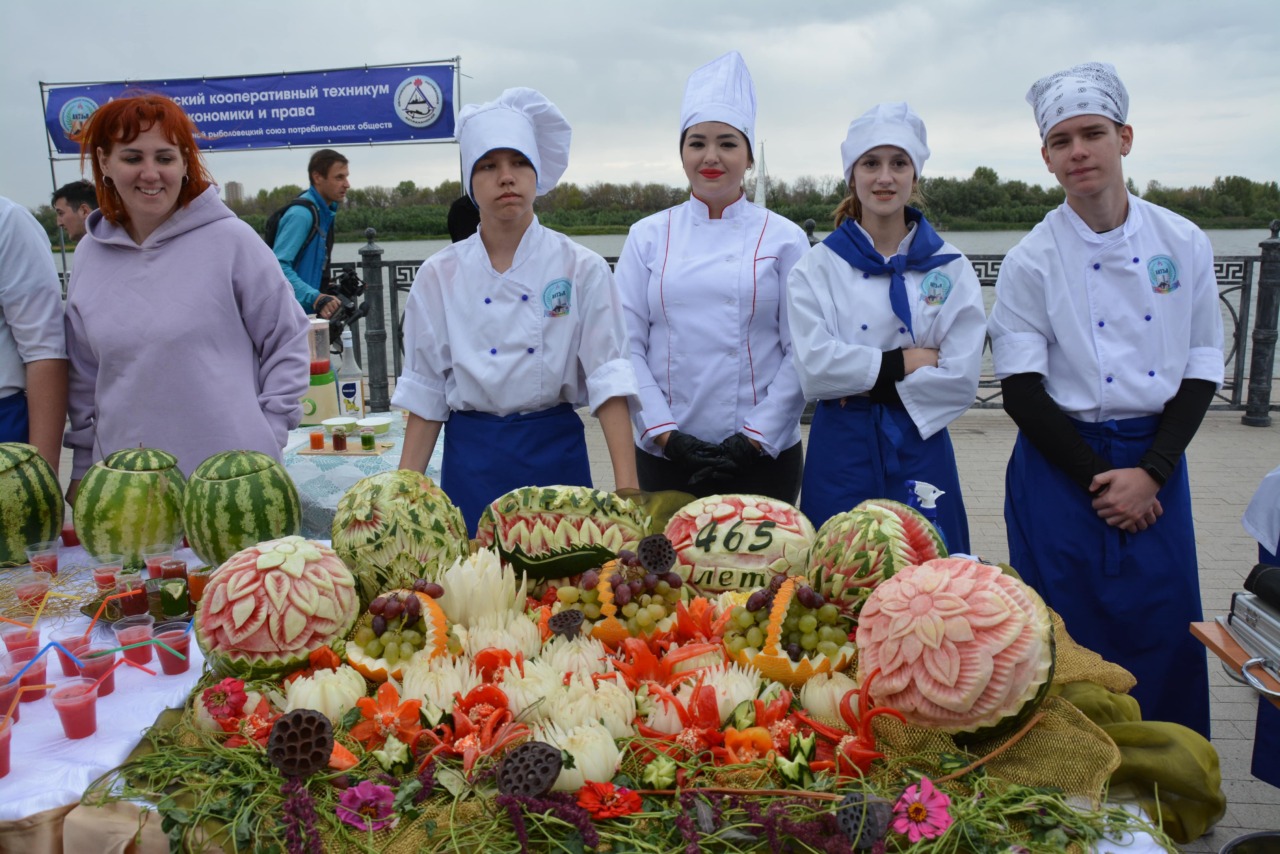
pixel 236 499
pixel 30 501
pixel 129 501
pixel 394 527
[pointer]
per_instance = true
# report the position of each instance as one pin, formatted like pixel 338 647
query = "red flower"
pixel 319 659
pixel 605 800
pixel 224 700
pixel 253 728
pixel 385 716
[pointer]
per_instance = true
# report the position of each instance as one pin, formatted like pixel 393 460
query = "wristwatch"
pixel 1158 476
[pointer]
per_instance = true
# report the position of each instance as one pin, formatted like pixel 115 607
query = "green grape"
pixel 672 597
pixel 791 623
pixel 406 650
pixel 633 627
pixel 663 588
pixel 794 637
pixel 829 614
pixel 829 633
pixel 736 644
pixel 373 648
pixel 755 637
pixel 809 641
pixel 364 635
pixel 590 595
pixel 412 638
pixel 629 610
pixel 645 599
pixel 591 611
pixel 392 653
pixel 807 623
pixel 390 636
pixel 829 649
pixel 568 595
pixel 657 611
pixel 743 618
pixel 644 619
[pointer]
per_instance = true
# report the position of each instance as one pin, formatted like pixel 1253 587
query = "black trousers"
pixel 775 478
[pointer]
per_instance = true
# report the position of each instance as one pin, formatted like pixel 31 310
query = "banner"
pixel 400 103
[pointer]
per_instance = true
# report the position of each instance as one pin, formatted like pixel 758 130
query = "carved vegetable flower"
pixel 386 716
pixel 367 806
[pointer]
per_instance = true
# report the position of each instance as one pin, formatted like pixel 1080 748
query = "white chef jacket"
pixel 1114 322
pixel 547 331
pixel 708 327
pixel 1262 517
pixel 30 298
pixel 842 322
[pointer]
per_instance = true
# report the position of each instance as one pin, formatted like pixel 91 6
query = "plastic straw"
pixel 151 642
pixel 36 658
pixel 103 607
pixel 18 696
pixel 114 667
pixel 68 653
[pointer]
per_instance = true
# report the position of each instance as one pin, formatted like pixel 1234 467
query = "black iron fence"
pixel 1248 293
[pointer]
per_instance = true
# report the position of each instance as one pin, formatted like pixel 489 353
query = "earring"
pixel 106 179
pixel 184 179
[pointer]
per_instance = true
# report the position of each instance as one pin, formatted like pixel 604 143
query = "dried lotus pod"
pixel 567 624
pixel 656 554
pixel 529 770
pixel 863 821
pixel 300 743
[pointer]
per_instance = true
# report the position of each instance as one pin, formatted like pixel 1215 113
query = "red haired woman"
pixel 182 332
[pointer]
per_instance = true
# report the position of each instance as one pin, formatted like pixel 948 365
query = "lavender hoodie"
pixel 192 342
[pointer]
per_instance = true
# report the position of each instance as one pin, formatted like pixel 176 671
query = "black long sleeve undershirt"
pixel 893 368
pixel 1050 430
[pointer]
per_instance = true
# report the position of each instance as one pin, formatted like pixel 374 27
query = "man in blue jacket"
pixel 302 238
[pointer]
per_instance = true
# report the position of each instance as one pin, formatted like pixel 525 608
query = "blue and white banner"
pixel 394 103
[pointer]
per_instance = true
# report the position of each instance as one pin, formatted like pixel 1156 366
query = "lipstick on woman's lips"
pixel 710 174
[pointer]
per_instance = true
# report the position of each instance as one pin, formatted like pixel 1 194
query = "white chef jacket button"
pixel 1137 261
pixel 524 297
pixel 1110 379
pixel 487 300
pixel 1148 317
pixel 1097 266
pixel 902 330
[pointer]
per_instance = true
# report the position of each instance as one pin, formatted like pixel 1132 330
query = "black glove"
pixel 322 301
pixel 741 451
pixel 707 461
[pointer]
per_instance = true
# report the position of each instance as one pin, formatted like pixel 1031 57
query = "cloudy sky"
pixel 1203 77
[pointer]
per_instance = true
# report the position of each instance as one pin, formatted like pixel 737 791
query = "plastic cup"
pixel 70 538
pixel 106 576
pixel 173 568
pixel 197 578
pixel 73 642
pixel 135 629
pixel 174 634
pixel 8 691
pixel 31 587
pixel 18 638
pixel 154 555
pixel 135 584
pixel 97 661
pixel 6 735
pixel 37 674
pixel 43 555
pixel 77 704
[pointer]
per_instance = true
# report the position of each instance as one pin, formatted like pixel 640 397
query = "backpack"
pixel 273 226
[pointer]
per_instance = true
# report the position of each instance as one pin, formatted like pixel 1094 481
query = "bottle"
pixel 350 380
pixel 924 497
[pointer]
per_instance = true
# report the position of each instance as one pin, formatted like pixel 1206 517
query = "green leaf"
pixel 404 796
pixel 452 781
pixel 352 717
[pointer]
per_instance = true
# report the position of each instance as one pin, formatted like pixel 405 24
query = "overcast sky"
pixel 1203 77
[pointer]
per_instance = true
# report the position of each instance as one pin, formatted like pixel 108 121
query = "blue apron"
pixel 486 456
pixel 859 450
pixel 1128 597
pixel 14 426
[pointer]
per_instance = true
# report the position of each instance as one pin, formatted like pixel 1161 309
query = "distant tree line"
pixel 979 202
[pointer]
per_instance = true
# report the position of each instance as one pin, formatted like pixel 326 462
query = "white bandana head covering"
pixel 1088 89
pixel 522 120
pixel 721 91
pixel 892 123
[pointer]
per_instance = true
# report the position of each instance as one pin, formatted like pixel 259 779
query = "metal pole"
pixel 375 333
pixel 1258 409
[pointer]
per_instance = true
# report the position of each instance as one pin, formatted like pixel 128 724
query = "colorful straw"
pixel 53 644
pixel 103 607
pixel 18 696
pixel 114 667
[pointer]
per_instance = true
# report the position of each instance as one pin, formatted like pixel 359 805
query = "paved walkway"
pixel 1227 462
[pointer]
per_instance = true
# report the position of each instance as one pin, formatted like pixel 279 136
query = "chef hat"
pixel 522 120
pixel 893 123
pixel 1088 89
pixel 721 91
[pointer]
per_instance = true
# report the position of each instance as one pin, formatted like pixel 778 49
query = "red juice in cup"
pixel 135 630
pixel 136 602
pixel 76 703
pixel 105 577
pixel 176 636
pixel 6 735
pixel 69 537
pixel 17 638
pixel 37 673
pixel 97 661
pixel 45 563
pixel 8 691
pixel 43 556
pixel 72 643
pixel 31 587
pixel 173 568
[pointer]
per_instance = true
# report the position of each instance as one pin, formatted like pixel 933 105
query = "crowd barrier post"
pixel 1258 408
pixel 375 331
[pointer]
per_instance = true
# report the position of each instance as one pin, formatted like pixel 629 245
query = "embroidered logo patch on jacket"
pixel 556 297
pixel 1163 273
pixel 936 287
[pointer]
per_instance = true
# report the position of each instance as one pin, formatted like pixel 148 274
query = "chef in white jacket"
pixel 509 330
pixel 888 327
pixel 703 285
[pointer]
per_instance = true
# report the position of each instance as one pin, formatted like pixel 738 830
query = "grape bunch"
pixel 645 590
pixel 396 629
pixel 811 625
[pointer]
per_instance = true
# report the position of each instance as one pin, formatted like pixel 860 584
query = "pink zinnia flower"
pixel 367 806
pixel 226 699
pixel 921 812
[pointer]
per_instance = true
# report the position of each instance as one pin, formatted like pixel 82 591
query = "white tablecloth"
pixel 46 769
pixel 323 479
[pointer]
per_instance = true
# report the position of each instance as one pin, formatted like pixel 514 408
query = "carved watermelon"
pixel 961 647
pixel 856 550
pixel 558 531
pixel 269 606
pixel 397 526
pixel 738 542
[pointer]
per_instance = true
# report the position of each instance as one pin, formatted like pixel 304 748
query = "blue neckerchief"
pixel 851 244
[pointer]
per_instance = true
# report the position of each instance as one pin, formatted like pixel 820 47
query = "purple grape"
pixel 615 580
pixel 817 600
pixel 637 587
pixel 418 584
pixel 412 609
pixel 376 606
pixel 776 581
pixel 757 600
pixel 804 595
pixel 590 579
pixel 435 591
pixel 393 609
pixel 379 625
pixel 794 651
pixel 626 557
pixel 622 595
pixel 650 582
pixel 674 581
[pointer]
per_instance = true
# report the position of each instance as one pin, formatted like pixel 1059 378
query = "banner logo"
pixel 419 101
pixel 74 114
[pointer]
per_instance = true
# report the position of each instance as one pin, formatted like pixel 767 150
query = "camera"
pixel 348 289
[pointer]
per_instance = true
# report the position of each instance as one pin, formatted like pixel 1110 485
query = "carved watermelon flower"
pixel 921 812
pixel 253 728
pixel 386 716
pixel 929 616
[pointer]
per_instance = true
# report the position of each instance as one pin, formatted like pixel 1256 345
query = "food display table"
pixel 322 479
pixel 48 771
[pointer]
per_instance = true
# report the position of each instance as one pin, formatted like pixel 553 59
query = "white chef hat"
pixel 1088 89
pixel 522 120
pixel 891 123
pixel 721 91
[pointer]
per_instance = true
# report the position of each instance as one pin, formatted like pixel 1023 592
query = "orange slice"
pixel 435 642
pixel 773 663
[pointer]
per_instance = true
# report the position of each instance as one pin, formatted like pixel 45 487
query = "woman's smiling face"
pixel 147 174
